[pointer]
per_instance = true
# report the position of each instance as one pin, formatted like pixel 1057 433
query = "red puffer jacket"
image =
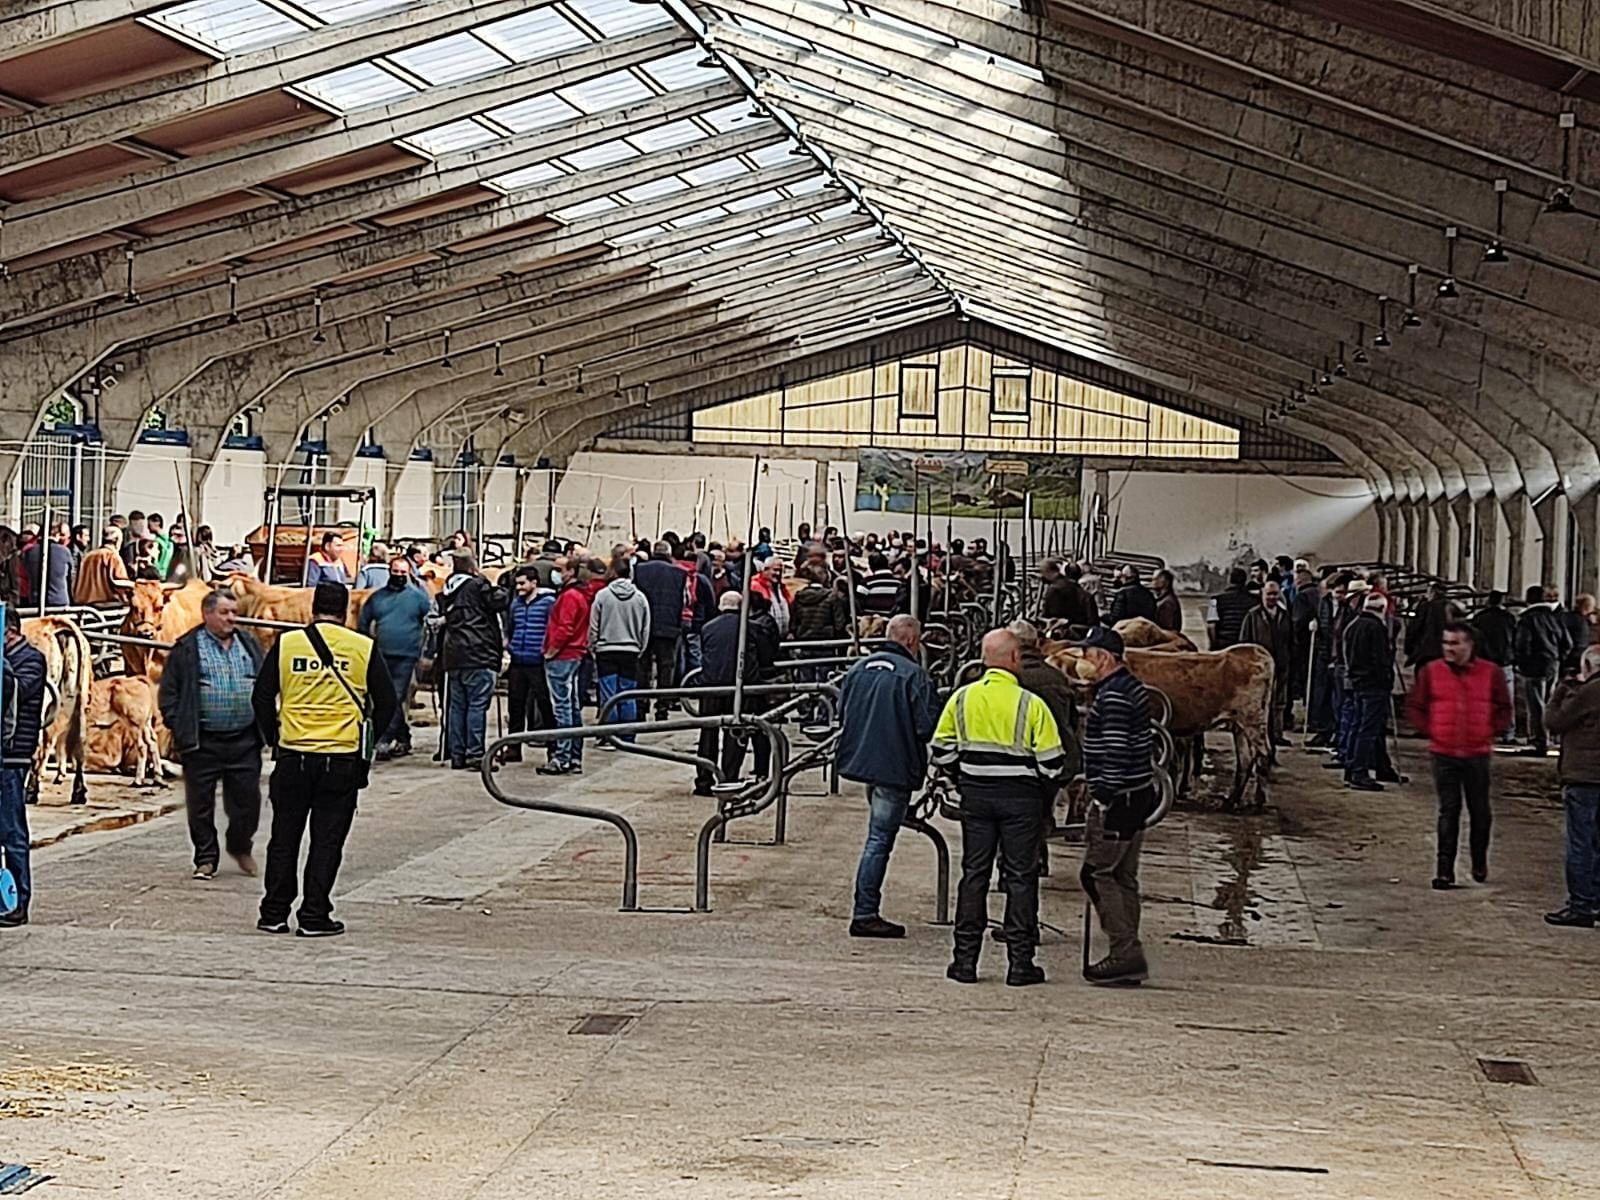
pixel 1461 709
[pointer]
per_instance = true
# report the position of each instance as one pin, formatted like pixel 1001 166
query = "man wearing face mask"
pixel 398 610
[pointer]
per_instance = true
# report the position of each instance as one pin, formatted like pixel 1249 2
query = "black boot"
pixel 1023 972
pixel 963 966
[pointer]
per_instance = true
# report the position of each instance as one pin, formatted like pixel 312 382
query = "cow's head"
pixel 147 600
pixel 1070 661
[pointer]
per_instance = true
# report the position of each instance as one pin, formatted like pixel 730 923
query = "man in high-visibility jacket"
pixel 1002 748
pixel 318 698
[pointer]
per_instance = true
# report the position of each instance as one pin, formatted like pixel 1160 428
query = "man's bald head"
pixel 905 630
pixel 1001 649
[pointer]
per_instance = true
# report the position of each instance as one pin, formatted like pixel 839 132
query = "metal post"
pixel 999 543
pixel 744 606
pixel 311 521
pixel 44 535
pixel 916 499
pixel 849 574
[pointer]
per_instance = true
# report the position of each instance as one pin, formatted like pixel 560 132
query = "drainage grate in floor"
pixel 1245 1166
pixel 603 1024
pixel 16 1178
pixel 1508 1070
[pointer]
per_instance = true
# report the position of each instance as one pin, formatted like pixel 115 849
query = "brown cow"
pixel 122 729
pixel 269 602
pixel 161 612
pixel 1228 689
pixel 69 672
pixel 1144 634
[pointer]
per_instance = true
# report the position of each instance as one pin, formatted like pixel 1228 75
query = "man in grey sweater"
pixel 1573 714
pixel 619 631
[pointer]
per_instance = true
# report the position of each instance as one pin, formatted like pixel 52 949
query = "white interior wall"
pixel 1502 550
pixel 231 499
pixel 150 480
pixel 500 502
pixel 413 502
pixel 365 472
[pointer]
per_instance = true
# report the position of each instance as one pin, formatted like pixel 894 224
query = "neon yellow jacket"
pixel 998 739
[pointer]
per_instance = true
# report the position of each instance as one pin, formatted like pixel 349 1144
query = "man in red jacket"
pixel 566 641
pixel 1461 703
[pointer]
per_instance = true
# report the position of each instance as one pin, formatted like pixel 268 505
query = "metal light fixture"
pixel 1327 377
pixel 388 331
pixel 541 370
pixel 316 306
pixel 445 361
pixel 617 389
pixel 1360 356
pixel 1560 200
pixel 1447 286
pixel 499 371
pixel 579 388
pixel 128 294
pixel 647 394
pixel 1411 320
pixel 233 298
pixel 1339 369
pixel 1311 388
pixel 1495 252
pixel 1381 338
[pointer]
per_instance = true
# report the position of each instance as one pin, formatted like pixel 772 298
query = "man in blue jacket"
pixel 398 610
pixel 22 701
pixel 886 716
pixel 666 586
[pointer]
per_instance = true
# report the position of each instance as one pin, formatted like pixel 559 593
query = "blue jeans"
pixel 693 652
pixel 884 816
pixel 1583 846
pixel 1347 725
pixel 14 831
pixel 1372 711
pixel 563 676
pixel 470 692
pixel 626 710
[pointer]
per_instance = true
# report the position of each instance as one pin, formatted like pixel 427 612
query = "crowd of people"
pixel 567 628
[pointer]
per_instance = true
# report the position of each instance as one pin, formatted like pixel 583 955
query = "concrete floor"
pixel 1312 1028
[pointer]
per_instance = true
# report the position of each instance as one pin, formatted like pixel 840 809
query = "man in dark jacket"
pixel 665 586
pixel 1369 669
pixel 818 613
pixel 1541 643
pixel 1169 611
pixel 886 716
pixel 1065 598
pixel 22 687
pixel 719 669
pixel 1268 625
pixel 1051 686
pixel 1580 623
pixel 471 608
pixel 205 701
pixel 1226 612
pixel 1133 599
pixel 1574 715
pixel 1425 633
pixel 1322 716
pixel 1494 636
pixel 527 617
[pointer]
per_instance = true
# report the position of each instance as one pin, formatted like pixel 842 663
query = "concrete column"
pixel 1444 555
pixel 1549 527
pixel 1586 519
pixel 1485 565
pixel 1408 534
pixel 1461 509
pixel 819 497
pixel 1515 510
pixel 1384 510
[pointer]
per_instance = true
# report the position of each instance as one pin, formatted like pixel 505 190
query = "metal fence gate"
pixel 64 478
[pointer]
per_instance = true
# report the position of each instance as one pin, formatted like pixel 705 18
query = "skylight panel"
pixel 663 137
pixel 638 235
pixel 616 17
pixel 448 59
pixel 588 208
pixel 334 11
pixel 699 218
pixel 599 155
pixel 458 135
pixel 726 168
pixel 731 116
pixel 356 87
pixel 740 239
pixel 229 26
pixel 608 91
pixel 528 176
pixel 813 183
pixel 744 204
pixel 911 28
pixel 536 112
pixel 772 156
pixel 535 34
pixel 654 189
pixel 678 71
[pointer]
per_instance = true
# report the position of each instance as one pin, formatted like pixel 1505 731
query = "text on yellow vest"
pixel 315 713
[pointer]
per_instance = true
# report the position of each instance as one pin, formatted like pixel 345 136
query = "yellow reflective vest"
pixel 997 738
pixel 316 715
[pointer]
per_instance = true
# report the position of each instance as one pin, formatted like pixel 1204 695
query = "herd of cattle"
pixel 113 724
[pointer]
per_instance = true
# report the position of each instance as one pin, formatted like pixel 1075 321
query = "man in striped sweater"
pixel 1117 765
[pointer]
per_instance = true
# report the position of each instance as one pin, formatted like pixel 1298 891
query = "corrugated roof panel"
pixel 527 177
pixel 535 34
pixel 587 209
pixel 725 168
pixel 334 11
pixel 615 17
pixel 675 133
pixel 653 189
pixel 458 135
pixel 683 70
pixel 536 112
pixel 355 87
pixel 447 59
pixel 607 91
pixel 228 26
pixel 599 155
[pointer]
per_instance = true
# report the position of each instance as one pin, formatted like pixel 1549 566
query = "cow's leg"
pixel 1259 742
pixel 80 788
pixel 1243 762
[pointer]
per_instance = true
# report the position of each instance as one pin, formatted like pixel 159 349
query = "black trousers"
pixel 732 743
pixel 1011 828
pixel 530 701
pixel 319 789
pixel 658 668
pixel 1459 779
pixel 232 759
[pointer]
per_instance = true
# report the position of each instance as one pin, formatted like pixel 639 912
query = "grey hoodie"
pixel 619 619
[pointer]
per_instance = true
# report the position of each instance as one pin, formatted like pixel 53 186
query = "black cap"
pixel 1102 638
pixel 331 599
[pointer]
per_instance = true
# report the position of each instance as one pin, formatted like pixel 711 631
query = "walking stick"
pixel 1088 928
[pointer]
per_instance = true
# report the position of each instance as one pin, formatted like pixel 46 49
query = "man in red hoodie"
pixel 1460 702
pixel 566 641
